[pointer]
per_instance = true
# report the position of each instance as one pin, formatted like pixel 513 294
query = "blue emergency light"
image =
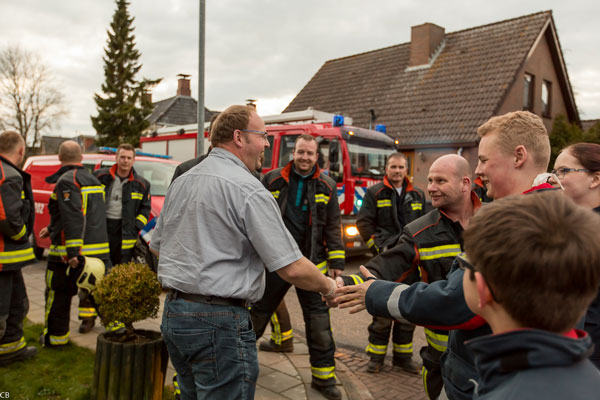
pixel 380 128
pixel 338 120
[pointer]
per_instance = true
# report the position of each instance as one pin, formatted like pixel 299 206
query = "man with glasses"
pixel 513 152
pixel 218 230
pixel 309 206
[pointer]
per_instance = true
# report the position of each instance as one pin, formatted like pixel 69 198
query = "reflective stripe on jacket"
pixel 16 217
pixel 326 245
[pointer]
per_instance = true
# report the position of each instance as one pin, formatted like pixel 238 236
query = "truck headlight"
pixel 351 231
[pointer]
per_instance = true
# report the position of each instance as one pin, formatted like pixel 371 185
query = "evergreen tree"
pixel 563 134
pixel 123 108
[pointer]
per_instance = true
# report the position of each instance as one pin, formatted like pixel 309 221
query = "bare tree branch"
pixel 30 102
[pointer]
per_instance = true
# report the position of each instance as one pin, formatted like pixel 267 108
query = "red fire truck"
pixel 354 157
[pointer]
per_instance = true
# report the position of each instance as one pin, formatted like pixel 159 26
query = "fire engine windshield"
pixel 158 174
pixel 368 160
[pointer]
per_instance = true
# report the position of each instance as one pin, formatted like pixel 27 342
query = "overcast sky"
pixel 265 49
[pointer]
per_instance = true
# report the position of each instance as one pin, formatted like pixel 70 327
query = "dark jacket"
pixel 187 165
pixel 17 210
pixel 77 216
pixel 480 189
pixel 136 204
pixel 325 241
pixel 377 220
pixel 533 364
pixel 592 323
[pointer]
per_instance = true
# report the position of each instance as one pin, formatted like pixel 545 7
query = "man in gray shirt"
pixel 218 231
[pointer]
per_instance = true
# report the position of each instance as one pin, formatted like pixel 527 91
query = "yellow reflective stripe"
pixel 57 250
pixel 20 234
pixel 357 279
pixel 49 298
pixel 137 196
pixel 142 219
pixel 403 348
pixel 12 346
pixel 321 198
pixel 384 203
pixel 430 253
pixel 276 332
pixel 22 194
pixel 337 254
pixel 87 312
pixel 275 194
pixel 323 373
pixel 416 206
pixel 370 243
pixel 9 257
pixel 92 189
pixel 376 348
pixel 86 249
pixel 53 196
pixel 438 341
pixel 59 340
pixel 128 243
pixel 74 243
pixel 323 267
pixel 424 374
pixel 287 335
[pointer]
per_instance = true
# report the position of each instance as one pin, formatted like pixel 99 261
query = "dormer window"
pixel 528 86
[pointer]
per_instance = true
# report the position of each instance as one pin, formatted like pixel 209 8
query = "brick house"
pixel 433 92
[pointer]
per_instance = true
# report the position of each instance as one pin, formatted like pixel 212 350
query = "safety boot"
pixel 287 346
pixel 407 365
pixel 20 355
pixel 87 324
pixel 331 391
pixel 375 365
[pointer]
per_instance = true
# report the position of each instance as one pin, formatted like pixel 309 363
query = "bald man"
pixel 428 246
pixel 77 228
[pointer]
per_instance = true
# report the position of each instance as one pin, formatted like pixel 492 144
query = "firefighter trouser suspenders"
pixel 379 334
pixel 281 326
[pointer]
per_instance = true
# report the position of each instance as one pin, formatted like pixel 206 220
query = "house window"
pixel 546 98
pixel 528 85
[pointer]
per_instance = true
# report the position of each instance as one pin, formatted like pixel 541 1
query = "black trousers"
pixel 321 346
pixel 60 289
pixel 13 309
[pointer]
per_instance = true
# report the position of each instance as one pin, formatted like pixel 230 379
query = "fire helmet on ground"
pixel 92 273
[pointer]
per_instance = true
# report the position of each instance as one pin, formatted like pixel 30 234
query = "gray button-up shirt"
pixel 218 230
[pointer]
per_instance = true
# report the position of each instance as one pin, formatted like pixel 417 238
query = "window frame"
pixel 528 92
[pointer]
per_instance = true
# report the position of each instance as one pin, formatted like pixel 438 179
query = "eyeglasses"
pixel 561 172
pixel 464 264
pixel 262 133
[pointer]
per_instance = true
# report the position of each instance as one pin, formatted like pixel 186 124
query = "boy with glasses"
pixel 533 268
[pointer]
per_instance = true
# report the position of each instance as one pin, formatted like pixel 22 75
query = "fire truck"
pixel 353 157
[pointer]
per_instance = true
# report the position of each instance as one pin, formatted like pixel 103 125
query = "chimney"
pixel 183 85
pixel 424 41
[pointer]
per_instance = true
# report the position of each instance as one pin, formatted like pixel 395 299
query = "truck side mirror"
pixel 333 154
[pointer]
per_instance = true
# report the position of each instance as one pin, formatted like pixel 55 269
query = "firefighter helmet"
pixel 92 272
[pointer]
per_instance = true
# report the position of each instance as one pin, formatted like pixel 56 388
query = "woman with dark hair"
pixel 577 169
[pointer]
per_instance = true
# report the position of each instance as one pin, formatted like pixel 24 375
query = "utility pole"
pixel 201 46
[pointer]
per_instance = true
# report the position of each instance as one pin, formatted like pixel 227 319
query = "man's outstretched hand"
pixel 353 295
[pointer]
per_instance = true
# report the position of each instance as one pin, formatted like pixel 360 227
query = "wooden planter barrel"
pixel 130 371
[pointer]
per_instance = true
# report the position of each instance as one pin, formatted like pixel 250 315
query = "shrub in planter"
pixel 130 364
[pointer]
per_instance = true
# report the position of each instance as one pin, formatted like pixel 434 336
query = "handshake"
pixel 349 296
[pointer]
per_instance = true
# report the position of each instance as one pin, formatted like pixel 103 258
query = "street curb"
pixel 355 389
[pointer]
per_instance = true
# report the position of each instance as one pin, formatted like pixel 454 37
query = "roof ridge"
pixel 549 12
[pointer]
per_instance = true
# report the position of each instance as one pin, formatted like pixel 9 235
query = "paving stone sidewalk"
pixel 282 376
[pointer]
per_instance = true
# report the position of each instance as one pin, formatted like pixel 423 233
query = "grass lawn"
pixel 58 374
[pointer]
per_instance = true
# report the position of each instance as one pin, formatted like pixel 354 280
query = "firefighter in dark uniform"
pixel 428 247
pixel 481 191
pixel 16 224
pixel 77 228
pixel 386 208
pixel 309 207
pixel 127 197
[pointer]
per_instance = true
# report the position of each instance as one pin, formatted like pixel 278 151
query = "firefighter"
pixel 387 207
pixel 16 224
pixel 77 228
pixel 429 245
pixel 310 210
pixel 281 331
pixel 479 188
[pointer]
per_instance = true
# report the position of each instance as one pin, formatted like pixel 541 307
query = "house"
pixel 433 92
pixel 588 124
pixel 50 144
pixel 181 109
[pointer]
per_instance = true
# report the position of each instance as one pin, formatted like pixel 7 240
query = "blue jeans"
pixel 213 349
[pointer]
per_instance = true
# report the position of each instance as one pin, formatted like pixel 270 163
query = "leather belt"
pixel 199 298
